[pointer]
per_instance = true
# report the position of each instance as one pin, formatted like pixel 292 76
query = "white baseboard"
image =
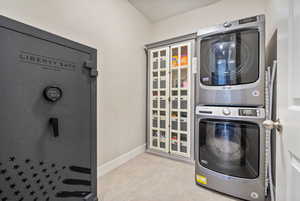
pixel 109 166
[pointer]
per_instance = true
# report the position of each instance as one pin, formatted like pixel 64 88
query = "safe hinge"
pixel 93 69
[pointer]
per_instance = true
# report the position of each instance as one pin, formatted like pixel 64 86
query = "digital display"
pixel 248 112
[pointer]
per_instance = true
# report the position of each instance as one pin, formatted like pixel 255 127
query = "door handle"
pixel 269 124
pixel 54 123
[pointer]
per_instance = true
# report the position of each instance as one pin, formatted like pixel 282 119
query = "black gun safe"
pixel 47 116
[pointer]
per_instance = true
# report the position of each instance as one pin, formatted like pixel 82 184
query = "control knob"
pixel 226 111
pixel 227 24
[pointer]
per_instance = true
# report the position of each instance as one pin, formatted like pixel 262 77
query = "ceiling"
pixel 156 10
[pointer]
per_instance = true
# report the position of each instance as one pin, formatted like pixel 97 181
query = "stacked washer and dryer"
pixel 230 109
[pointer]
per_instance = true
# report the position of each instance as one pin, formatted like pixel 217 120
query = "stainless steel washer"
pixel 231 67
pixel 230 150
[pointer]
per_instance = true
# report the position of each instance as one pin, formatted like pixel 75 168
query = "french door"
pixel 170 89
pixel 159 107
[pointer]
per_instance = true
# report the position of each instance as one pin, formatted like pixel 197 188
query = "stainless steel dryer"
pixel 232 63
pixel 230 151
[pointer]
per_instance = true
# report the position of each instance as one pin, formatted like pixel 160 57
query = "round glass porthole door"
pixel 229 147
pixel 230 58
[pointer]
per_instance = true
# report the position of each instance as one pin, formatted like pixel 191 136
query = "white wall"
pixel 271 18
pixel 119 32
pixel 204 17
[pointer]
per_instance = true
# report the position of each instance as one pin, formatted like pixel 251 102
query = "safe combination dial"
pixel 52 93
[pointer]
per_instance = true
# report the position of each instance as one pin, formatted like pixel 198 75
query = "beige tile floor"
pixel 152 178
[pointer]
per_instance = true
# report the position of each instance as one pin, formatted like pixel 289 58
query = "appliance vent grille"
pixel 22 180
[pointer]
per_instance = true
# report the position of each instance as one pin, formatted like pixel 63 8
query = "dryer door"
pixel 230 58
pixel 229 147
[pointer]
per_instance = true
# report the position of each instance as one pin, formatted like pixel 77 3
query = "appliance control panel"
pixel 231 111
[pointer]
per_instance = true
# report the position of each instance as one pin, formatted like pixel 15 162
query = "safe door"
pixel 47 116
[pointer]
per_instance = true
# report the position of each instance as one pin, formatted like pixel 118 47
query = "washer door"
pixel 229 147
pixel 230 59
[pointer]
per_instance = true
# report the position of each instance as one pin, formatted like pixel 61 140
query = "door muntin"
pixel 230 58
pixel 230 147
